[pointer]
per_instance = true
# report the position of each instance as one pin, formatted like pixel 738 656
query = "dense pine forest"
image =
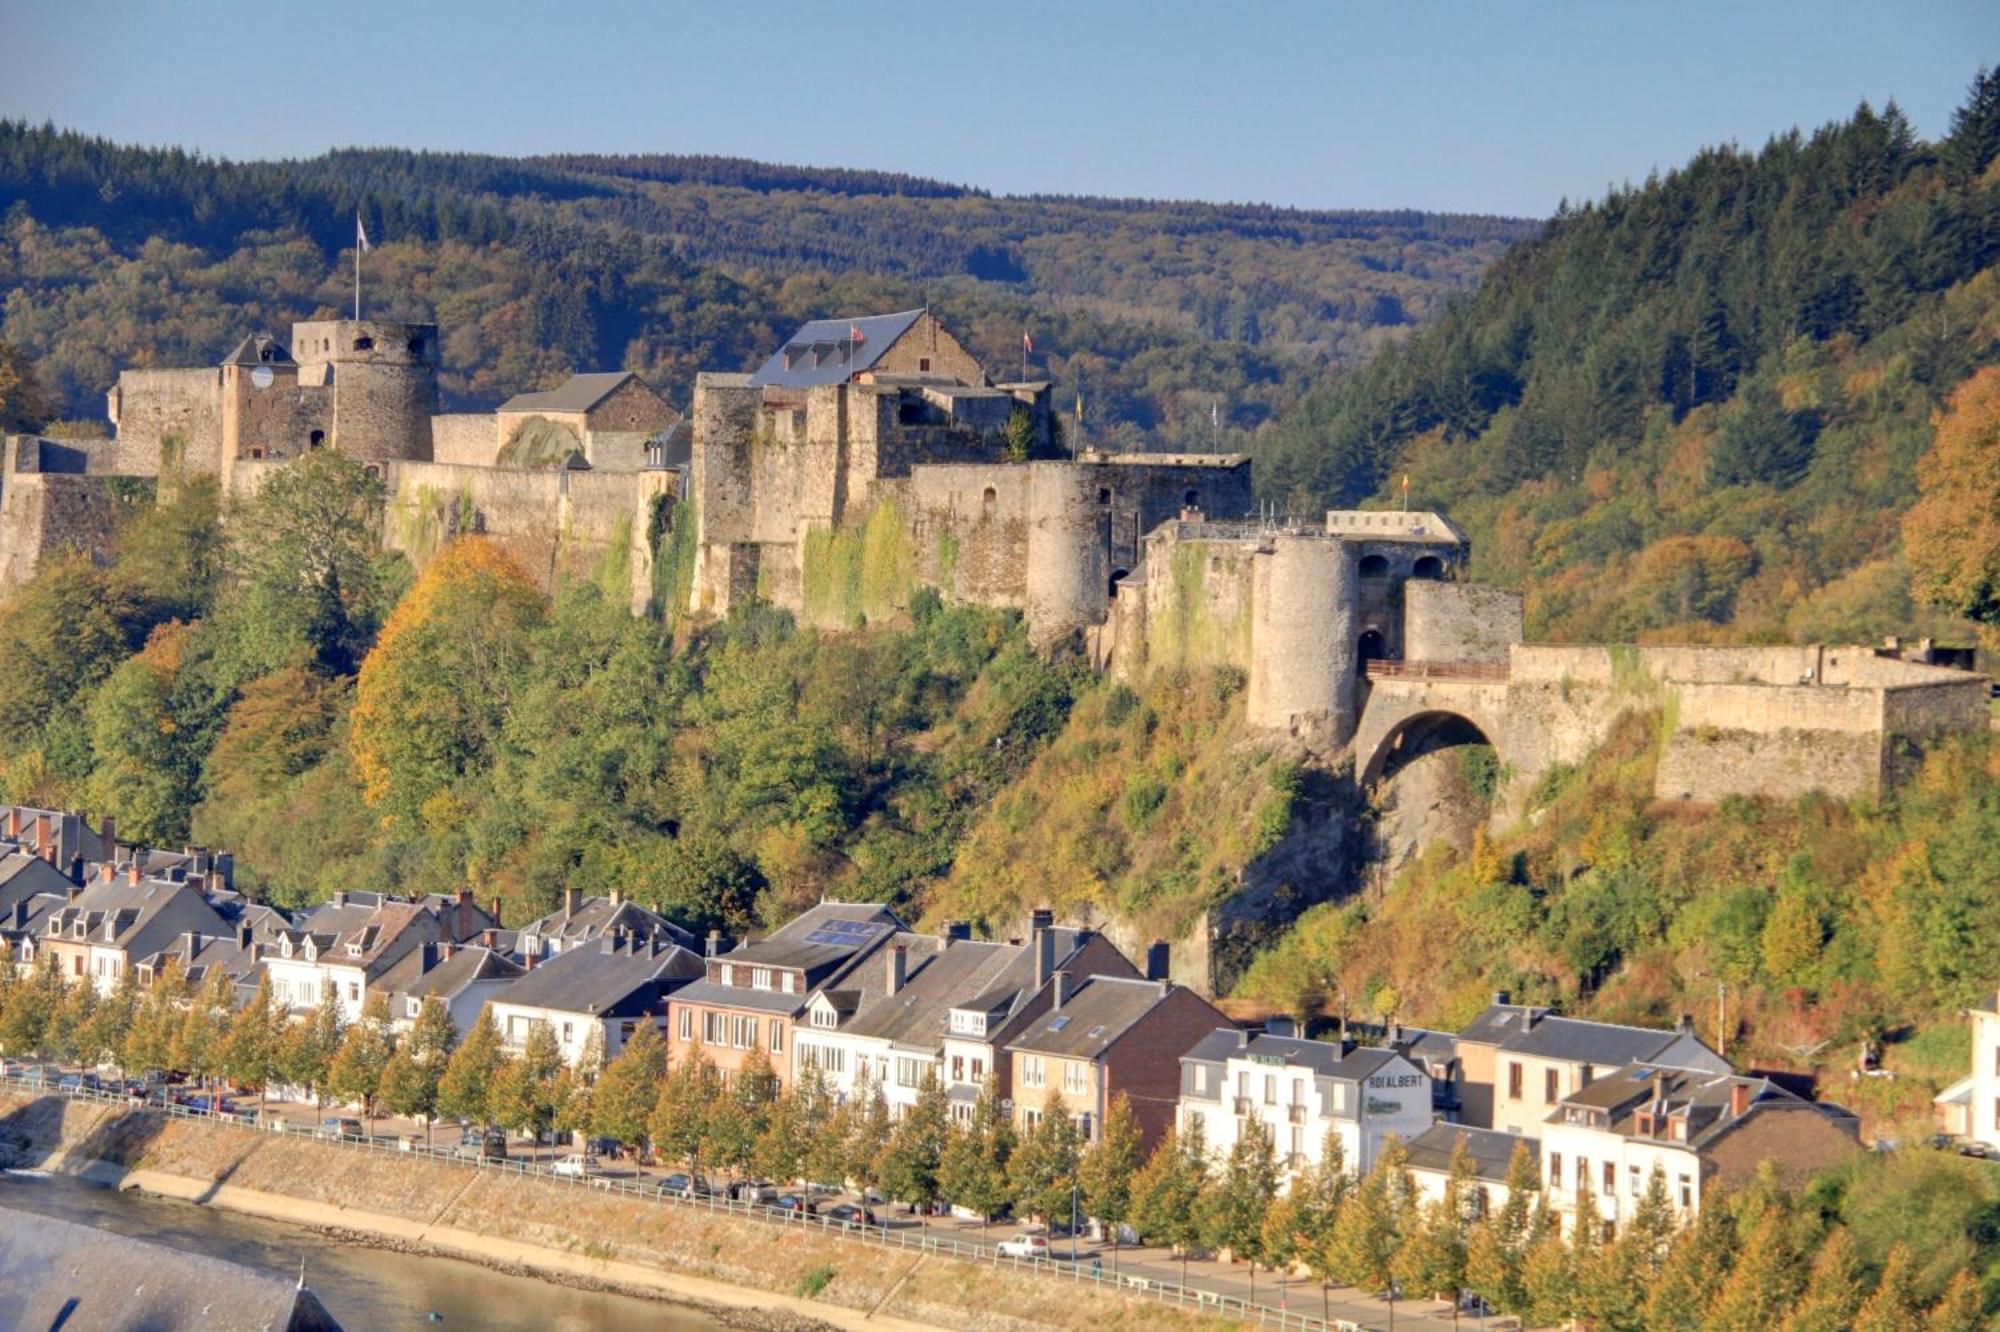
pixel 1163 316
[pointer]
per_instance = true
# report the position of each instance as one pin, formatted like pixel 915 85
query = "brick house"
pixel 1103 1036
pixel 1698 1129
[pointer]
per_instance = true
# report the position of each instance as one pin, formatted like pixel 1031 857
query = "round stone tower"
pixel 384 380
pixel 1068 576
pixel 1303 653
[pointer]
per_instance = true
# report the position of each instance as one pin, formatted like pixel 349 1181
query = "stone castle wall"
pixel 468 439
pixel 1459 622
pixel 167 417
pixel 47 513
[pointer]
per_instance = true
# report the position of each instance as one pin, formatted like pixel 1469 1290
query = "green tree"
pixel 525 1092
pixel 1834 1289
pixel 104 1040
pixel 304 559
pixel 465 1090
pixel 677 1124
pixel 915 1155
pixel 1893 1307
pixel 1763 1285
pixel 1236 1199
pixel 32 1008
pixel 629 1088
pixel 355 1075
pixel 1696 1267
pixel 1108 1169
pixel 1043 1169
pixel 198 1045
pixel 1372 1224
pixel 867 1135
pixel 779 1154
pixel 310 1046
pixel 1166 1195
pixel 1958 1309
pixel 973 1169
pixel 412 1081
pixel 69 1030
pixel 254 1043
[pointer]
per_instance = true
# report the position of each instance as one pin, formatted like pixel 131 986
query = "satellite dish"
pixel 261 377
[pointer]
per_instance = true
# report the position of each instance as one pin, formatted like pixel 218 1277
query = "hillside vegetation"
pixel 117 256
pixel 1693 410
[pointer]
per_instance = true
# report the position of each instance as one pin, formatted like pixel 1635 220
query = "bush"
pixel 815 1281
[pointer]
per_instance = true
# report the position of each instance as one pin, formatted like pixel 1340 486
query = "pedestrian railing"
pixel 1188 1297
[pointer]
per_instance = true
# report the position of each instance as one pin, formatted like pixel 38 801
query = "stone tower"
pixel 383 376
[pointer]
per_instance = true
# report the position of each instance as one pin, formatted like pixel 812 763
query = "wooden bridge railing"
pixel 1381 669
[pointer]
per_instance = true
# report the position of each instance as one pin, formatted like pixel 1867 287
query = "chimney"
pixel 570 896
pixel 495 912
pixel 491 938
pixel 445 949
pixel 1043 941
pixel 193 944
pixel 528 962
pixel 75 892
pixel 225 868
pixel 617 897
pixel 1685 1024
pixel 1739 1099
pixel 714 943
pixel 132 870
pixel 1041 918
pixel 1063 990
pixel 1659 1087
pixel 1156 960
pixel 1501 998
pixel 463 897
pixel 107 871
pixel 242 934
pixel 340 898
pixel 899 961
pixel 959 930
pixel 14 823
pixel 427 956
pixel 21 913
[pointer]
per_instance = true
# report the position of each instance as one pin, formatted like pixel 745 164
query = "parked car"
pixel 474 1145
pixel 1970 1148
pixel 1025 1246
pixel 686 1186
pixel 852 1214
pixel 795 1202
pixel 753 1191
pixel 336 1126
pixel 574 1166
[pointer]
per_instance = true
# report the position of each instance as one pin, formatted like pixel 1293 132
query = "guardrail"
pixel 1186 1297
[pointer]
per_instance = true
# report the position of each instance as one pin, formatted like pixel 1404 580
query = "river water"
pixel 364 1288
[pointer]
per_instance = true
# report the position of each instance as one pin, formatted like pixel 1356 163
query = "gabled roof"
pixel 447 977
pixel 944 972
pixel 259 349
pixel 1525 1029
pixel 578 393
pixel 1103 1009
pixel 609 978
pixel 829 933
pixel 1491 1150
pixel 143 915
pixel 1703 1099
pixel 595 917
pixel 1340 1061
pixel 825 351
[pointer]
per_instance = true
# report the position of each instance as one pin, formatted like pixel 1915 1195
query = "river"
pixel 364 1288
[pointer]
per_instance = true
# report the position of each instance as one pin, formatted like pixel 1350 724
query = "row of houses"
pixel 1055 1020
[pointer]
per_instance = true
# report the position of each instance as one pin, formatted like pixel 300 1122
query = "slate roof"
pixel 1524 1029
pixel 578 393
pixel 1491 1149
pixel 447 977
pixel 142 916
pixel 1012 989
pixel 806 942
pixel 1103 1009
pixel 56 1273
pixel 824 350
pixel 23 876
pixel 607 979
pixel 1324 1059
pixel 595 917
pixel 259 349
pixel 1703 1098
pixel 917 1014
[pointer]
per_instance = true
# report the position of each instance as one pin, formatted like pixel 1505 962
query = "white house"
pixel 346 945
pixel 1979 1092
pixel 463 977
pixel 1299 1091
pixel 607 988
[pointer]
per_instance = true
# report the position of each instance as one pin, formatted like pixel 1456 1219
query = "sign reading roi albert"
pixel 1383 1082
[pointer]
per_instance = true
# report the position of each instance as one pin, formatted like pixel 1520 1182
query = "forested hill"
pixel 1156 312
pixel 1694 408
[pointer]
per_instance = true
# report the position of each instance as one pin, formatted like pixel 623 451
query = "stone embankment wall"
pixel 44 513
pixel 565 1229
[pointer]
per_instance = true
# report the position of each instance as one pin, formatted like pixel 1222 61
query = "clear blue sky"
pixel 1489 107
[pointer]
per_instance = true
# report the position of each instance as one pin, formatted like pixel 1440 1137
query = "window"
pixel 412 1007
pixel 785 981
pixel 1550 1078
pixel 1270 1089
pixel 958 1068
pixel 777 1036
pixel 1582 1173
pixel 1687 1191
pixel 1555 1170
pixel 354 991
pixel 78 967
pixel 743 1033
pixel 1584 1078
pixel 728 974
pixel 1030 1118
pixel 909 1072
pixel 1339 1097
pixel 315 439
pixel 1076 1077
pixel 1196 1124
pixel 1514 1076
pixel 979 1070
pixel 1298 1144
pixel 1201 1078
pixel 825 1018
pixel 1611 1179
pixel 687 1024
pixel 364 344
pixel 987 499
pixel 760 978
pixel 1632 1181
pixel 714 1028
pixel 569 1031
pixel 1032 1072
pixel 256 450
pixel 416 346
pixel 923 364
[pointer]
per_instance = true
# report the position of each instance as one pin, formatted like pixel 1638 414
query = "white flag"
pixel 360 234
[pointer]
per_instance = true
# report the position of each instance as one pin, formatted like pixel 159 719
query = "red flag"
pixel 854 333
pixel 1027 343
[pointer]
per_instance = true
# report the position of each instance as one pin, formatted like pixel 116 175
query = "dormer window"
pixel 825 1018
pixel 55 926
pixel 78 930
pixel 354 950
pixel 285 946
pixel 760 978
pixel 787 982
pixel 728 974
pixel 531 945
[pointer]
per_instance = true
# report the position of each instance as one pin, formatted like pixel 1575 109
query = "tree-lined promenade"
pixel 1767 1257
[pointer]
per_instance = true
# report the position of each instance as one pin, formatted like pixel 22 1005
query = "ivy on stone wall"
pixel 853 573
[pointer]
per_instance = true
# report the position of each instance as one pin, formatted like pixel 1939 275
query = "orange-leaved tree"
pixel 434 693
pixel 1951 535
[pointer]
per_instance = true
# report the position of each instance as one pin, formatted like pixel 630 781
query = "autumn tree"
pixel 915 1155
pixel 1951 535
pixel 677 1125
pixel 1235 1198
pixel 466 1088
pixel 253 1046
pixel 1166 1195
pixel 973 1169
pixel 1893 1307
pixel 24 405
pixel 355 1075
pixel 629 1087
pixel 524 1094
pixel 309 1046
pixel 1108 1169
pixel 1042 1171
pixel 411 1083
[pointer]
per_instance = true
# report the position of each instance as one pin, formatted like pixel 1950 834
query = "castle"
pixel 871 457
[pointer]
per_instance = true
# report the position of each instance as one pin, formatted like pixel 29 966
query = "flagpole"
pixel 359 234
